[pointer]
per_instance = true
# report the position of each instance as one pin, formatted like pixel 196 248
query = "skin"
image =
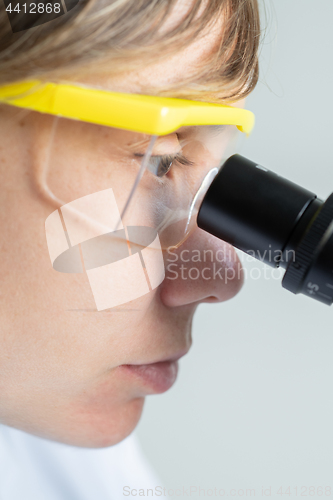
pixel 61 375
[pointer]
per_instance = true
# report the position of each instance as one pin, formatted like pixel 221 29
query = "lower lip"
pixel 157 377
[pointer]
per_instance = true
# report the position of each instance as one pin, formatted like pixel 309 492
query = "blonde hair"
pixel 128 34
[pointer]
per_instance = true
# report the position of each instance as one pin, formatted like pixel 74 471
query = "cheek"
pixel 51 332
pixel 57 352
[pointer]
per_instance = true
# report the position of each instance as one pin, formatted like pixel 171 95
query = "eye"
pixel 160 165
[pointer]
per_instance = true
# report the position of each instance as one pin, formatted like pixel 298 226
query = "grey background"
pixel 253 404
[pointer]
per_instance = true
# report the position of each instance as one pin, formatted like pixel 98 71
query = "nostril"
pixel 211 298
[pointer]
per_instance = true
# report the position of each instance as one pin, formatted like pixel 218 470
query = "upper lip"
pixel 174 357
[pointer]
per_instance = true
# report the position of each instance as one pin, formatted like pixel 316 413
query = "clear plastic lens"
pixel 173 198
pixel 163 193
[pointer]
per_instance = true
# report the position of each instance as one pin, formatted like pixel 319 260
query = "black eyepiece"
pixel 274 220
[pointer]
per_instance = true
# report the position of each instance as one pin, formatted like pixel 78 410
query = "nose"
pixel 202 269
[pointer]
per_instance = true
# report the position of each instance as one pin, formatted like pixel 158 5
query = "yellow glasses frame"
pixel 140 113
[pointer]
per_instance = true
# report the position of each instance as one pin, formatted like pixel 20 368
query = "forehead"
pixel 170 70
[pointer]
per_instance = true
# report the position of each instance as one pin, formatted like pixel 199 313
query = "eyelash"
pixel 169 161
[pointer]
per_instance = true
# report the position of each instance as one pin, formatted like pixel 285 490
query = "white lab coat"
pixel 32 468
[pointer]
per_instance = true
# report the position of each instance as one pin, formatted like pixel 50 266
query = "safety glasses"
pixel 158 154
pixel 140 113
pixel 125 175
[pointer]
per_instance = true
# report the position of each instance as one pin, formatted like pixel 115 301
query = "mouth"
pixel 156 377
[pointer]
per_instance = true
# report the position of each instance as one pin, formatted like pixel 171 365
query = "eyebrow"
pixel 144 142
pixel 161 142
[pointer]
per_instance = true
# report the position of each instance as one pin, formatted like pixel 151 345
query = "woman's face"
pixel 64 365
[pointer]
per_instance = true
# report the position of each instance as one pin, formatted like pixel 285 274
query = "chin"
pixel 97 430
pixel 87 427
